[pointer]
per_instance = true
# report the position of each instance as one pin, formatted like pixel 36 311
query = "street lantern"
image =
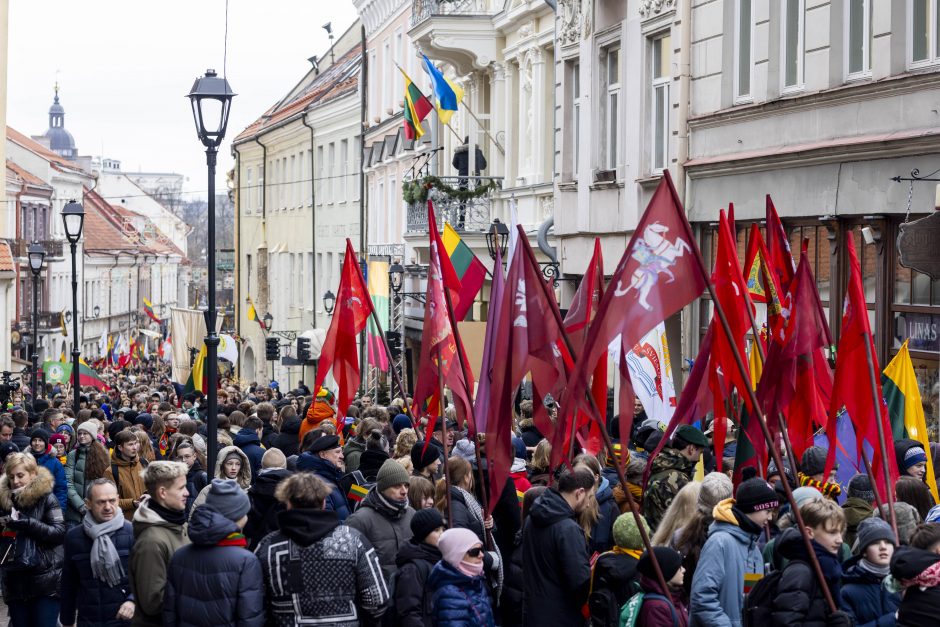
pixel 96 311
pixel 211 98
pixel 268 321
pixel 329 301
pixel 73 216
pixel 396 273
pixel 68 316
pixel 36 254
pixel 497 239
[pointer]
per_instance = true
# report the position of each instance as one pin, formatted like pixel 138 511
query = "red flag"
pixel 780 257
pixel 528 339
pixel 340 350
pixel 852 380
pixel 762 283
pixel 659 274
pixel 793 364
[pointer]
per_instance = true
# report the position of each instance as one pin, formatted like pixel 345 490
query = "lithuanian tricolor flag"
pixel 899 386
pixel 148 309
pixel 417 107
pixel 59 372
pixel 253 314
pixel 469 269
pixel 198 373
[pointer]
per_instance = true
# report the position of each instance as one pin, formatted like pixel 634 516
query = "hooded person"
pixel 322 409
pixel 460 595
pixel 415 560
pixel 218 562
pixel 916 574
pixel 614 575
pixel 862 596
pixel 262 517
pixel 42 451
pixel 231 463
pixel 906 517
pixel 911 458
pixel 858 505
pixel 662 608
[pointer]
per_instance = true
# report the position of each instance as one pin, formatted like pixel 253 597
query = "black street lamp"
pixel 329 301
pixel 396 274
pixel 268 321
pixel 211 98
pixel 73 216
pixel 497 239
pixel 36 254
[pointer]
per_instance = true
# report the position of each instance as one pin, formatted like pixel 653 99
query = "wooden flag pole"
pixel 442 405
pixel 395 377
pixel 874 487
pixel 872 383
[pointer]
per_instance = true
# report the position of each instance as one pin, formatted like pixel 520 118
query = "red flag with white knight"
pixel 659 273
pixel 340 350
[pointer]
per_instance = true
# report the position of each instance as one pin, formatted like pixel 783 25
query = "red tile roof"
pixel 26 177
pixel 58 162
pixel 6 258
pixel 339 79
pixel 109 230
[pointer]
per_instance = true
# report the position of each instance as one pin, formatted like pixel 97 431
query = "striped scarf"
pixel 235 538
pixel 829 490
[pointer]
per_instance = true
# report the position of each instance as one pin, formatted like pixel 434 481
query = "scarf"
pixel 873 569
pixel 831 568
pixel 170 515
pixel 235 538
pixel 634 553
pixel 105 561
pixel 928 578
pixel 388 508
pixel 829 490
pixel 473 506
pixel 746 523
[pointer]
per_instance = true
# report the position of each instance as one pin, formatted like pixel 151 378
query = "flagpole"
pixel 442 405
pixel 395 375
pixel 752 397
pixel 874 485
pixel 501 150
pixel 867 341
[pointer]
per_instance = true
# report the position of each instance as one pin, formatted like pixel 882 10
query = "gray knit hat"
pixel 907 519
pixel 716 487
pixel 872 530
pixel 229 500
pixel 391 474
pixel 814 461
pixel 860 488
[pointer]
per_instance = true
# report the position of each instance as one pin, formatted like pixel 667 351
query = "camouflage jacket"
pixel 670 471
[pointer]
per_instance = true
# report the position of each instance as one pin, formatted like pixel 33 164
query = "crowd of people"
pixel 111 517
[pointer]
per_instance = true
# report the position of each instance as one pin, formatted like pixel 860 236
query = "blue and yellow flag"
pixel 447 94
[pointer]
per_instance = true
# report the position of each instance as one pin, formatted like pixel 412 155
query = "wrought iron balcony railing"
pixel 464 213
pixel 424 9
pixel 54 247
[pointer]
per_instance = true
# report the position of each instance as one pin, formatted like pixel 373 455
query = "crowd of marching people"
pixel 111 517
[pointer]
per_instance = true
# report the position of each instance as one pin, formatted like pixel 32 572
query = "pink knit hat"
pixel 454 543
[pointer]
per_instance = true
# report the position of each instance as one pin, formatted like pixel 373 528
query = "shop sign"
pixel 923 331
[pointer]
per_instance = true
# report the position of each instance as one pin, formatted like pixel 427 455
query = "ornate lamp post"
pixel 329 301
pixel 73 216
pixel 497 238
pixel 36 254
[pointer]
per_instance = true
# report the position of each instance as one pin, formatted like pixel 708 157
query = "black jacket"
pixel 95 601
pixel 196 480
pixel 461 160
pixel 799 601
pixel 288 440
pixel 614 581
pixel 21 439
pixel 370 462
pixel 210 585
pixel 262 517
pixel 865 599
pixel 510 607
pixel 918 607
pixel 553 545
pixel 412 596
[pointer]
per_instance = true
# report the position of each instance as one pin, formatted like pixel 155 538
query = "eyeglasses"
pixel 475 551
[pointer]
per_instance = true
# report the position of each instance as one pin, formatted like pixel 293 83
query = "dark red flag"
pixel 851 388
pixel 659 274
pixel 762 281
pixel 778 248
pixel 340 350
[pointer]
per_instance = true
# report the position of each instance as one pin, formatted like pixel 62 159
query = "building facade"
pixel 7 268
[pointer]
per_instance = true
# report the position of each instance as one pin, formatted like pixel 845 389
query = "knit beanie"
pixel 804 494
pixel 716 487
pixel 755 495
pixel 273 458
pixel 58 438
pixel 421 458
pixel 89 427
pixel 814 461
pixel 7 448
pixel 391 474
pixel 40 433
pixel 860 488
pixel 518 447
pixel 424 522
pixel 914 455
pixel 627 534
pixel 399 422
pixel 229 500
pixel 454 543
pixel 145 420
pixel 906 516
pixel 670 560
pixel 872 530
pixel 464 448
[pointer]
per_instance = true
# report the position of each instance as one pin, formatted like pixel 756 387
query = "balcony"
pixel 55 248
pixel 459 32
pixel 471 214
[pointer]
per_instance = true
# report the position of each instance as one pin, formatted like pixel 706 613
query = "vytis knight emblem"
pixel 656 255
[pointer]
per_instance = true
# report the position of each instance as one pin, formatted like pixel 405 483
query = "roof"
pixel 25 176
pixel 58 162
pixel 109 229
pixel 337 80
pixel 6 258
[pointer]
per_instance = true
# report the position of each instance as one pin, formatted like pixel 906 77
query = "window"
pixel 859 37
pixel 576 118
pixel 389 81
pixel 344 168
pixel 331 165
pixel 260 186
pixel 925 24
pixel 661 75
pixel 743 58
pixel 319 175
pixel 399 79
pixel 611 114
pixel 293 182
pixel 793 44
pixel 249 192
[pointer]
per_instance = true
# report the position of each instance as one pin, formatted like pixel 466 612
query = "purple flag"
pixel 850 462
pixel 482 404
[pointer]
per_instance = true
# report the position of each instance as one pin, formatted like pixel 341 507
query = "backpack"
pixel 759 602
pixel 630 611
pixel 114 473
pixel 355 486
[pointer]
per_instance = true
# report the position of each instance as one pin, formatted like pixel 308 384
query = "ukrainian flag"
pixel 447 94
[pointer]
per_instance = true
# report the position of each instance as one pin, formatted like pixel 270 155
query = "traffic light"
pixel 303 349
pixel 272 351
pixel 394 343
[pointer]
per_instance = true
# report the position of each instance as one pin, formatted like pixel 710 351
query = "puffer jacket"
pixel 196 480
pixel 730 552
pixel 249 442
pixel 287 439
pixel 156 540
pixel 412 595
pixel 669 472
pixel 243 479
pixel 340 575
pixel 602 534
pixel 330 474
pixel 510 605
pixel 865 599
pixel 262 517
pixel 40 519
pixel 799 601
pixel 129 482
pixel 553 545
pixel 459 600
pixel 210 585
pixel 75 484
pixel 96 602
pixel 919 605
pixel 385 533
pixel 60 485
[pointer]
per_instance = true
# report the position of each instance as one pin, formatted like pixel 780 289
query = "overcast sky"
pixel 125 66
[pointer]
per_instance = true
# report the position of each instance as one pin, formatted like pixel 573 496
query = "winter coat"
pixel 287 439
pixel 95 601
pixel 21 439
pixel 211 585
pixel 669 473
pixel 529 434
pixel 510 605
pixel 461 160
pixel 340 580
pixel 262 517
pixel 412 595
pixel 462 516
pixel 243 479
pixel 507 517
pixel 799 600
pixel 75 484
pixel 325 470
pixel 51 463
pixel 865 599
pixel 353 450
pixel 249 442
pixel 41 520
pixel 613 581
pixel 459 600
pixel 730 552
pixel 156 540
pixel 196 480
pixel 386 535
pixel 130 484
pixel 369 464
pixel 856 510
pixel 658 613
pixel 918 606
pixel 553 545
pixel 602 534
pixel 268 433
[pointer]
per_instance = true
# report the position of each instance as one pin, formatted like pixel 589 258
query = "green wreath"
pixel 416 191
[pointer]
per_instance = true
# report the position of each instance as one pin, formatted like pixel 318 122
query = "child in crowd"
pixel 665 609
pixel 863 596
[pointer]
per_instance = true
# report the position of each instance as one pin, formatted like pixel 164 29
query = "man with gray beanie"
pixel 216 581
pixel 858 505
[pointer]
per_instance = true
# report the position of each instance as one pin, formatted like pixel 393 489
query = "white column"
pixel 497 162
pixel 540 95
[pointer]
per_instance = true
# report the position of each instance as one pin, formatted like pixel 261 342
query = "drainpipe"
pixel 313 215
pixel 550 251
pixel 238 247
pixel 685 83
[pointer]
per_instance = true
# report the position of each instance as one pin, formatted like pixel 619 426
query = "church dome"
pixel 61 141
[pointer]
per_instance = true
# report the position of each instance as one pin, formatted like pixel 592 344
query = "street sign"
pixel 918 245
